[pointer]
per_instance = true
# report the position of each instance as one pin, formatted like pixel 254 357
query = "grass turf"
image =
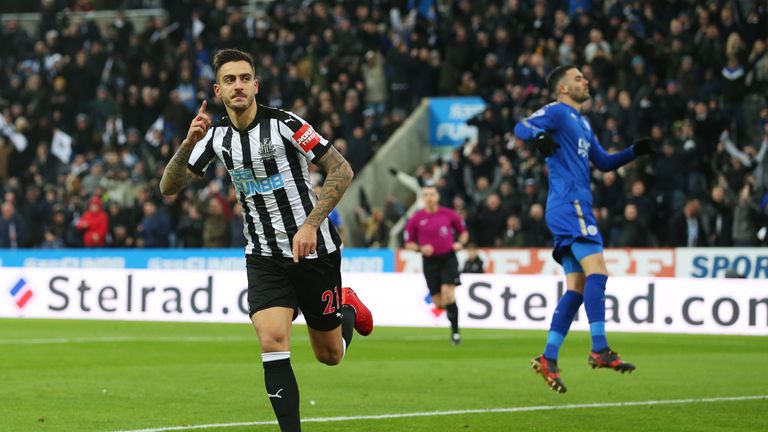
pixel 106 376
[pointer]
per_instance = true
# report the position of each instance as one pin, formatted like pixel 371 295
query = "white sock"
pixel 274 356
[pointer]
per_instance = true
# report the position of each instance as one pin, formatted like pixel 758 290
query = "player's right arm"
pixel 543 120
pixel 537 128
pixel 410 235
pixel 177 175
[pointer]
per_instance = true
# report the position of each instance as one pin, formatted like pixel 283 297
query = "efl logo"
pixel 21 293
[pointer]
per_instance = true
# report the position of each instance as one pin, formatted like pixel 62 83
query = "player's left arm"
pixel 605 161
pixel 461 229
pixel 338 177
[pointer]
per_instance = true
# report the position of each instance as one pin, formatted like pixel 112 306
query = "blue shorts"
pixel 570 223
pixel 578 250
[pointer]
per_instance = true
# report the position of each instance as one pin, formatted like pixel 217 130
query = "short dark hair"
pixel 227 55
pixel 554 77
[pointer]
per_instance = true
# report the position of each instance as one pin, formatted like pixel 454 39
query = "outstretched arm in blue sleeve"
pixel 609 162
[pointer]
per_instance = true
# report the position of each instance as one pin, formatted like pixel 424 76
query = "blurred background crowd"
pixel 92 111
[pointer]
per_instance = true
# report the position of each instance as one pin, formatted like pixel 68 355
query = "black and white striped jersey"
pixel 268 164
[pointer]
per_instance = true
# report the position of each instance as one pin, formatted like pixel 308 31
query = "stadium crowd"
pixel 91 113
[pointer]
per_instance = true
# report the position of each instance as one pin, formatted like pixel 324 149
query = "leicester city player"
pixel 567 141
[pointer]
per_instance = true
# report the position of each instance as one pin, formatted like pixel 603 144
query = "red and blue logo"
pixel 436 311
pixel 21 293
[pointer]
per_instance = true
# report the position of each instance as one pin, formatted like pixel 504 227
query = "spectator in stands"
pixel 155 227
pixel 375 229
pixel 610 194
pixel 632 231
pixel 95 178
pixel 718 215
pixel 120 238
pixel 487 224
pixel 509 200
pixel 532 194
pixel 35 212
pixel 215 226
pixel 646 206
pixel 537 234
pixel 745 219
pixel 236 226
pixel 189 231
pixel 13 229
pixel 473 263
pixel 375 82
pixel 514 235
pixel 687 228
pixel 94 224
pixel 668 179
pixel 51 241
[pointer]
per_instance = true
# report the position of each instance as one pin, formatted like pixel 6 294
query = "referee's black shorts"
pixel 312 285
pixel 441 270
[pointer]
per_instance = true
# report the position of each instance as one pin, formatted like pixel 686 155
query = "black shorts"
pixel 312 285
pixel 441 270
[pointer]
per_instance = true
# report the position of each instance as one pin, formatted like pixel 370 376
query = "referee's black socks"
pixel 282 389
pixel 348 316
pixel 452 312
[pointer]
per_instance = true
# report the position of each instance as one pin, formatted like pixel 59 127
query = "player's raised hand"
pixel 545 144
pixel 199 126
pixel 642 146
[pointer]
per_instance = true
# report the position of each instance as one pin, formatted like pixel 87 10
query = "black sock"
pixel 452 312
pixel 348 316
pixel 282 390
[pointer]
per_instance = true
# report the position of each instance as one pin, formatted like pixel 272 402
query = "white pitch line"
pixel 459 412
pixel 113 339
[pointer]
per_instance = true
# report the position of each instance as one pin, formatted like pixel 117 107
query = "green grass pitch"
pixel 60 375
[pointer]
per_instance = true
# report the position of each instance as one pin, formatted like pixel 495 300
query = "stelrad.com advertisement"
pixel 633 304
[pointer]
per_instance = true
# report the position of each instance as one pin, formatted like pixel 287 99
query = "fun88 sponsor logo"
pixel 246 184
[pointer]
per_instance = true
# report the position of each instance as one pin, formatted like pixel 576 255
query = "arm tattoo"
pixel 176 175
pixel 339 176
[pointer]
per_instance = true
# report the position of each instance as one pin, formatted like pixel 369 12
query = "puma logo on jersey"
pixel 276 395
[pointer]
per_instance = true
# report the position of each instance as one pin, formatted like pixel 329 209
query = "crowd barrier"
pixel 662 262
pixel 633 304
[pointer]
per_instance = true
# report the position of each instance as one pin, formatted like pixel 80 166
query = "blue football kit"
pixel 569 202
pixel 570 219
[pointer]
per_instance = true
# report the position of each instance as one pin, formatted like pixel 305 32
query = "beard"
pixel 580 98
pixel 240 105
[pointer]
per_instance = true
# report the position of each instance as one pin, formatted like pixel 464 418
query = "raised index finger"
pixel 202 107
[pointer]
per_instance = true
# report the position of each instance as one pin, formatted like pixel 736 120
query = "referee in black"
pixel 293 257
pixel 438 232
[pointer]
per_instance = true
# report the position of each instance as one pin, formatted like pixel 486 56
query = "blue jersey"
pixel 569 201
pixel 569 172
